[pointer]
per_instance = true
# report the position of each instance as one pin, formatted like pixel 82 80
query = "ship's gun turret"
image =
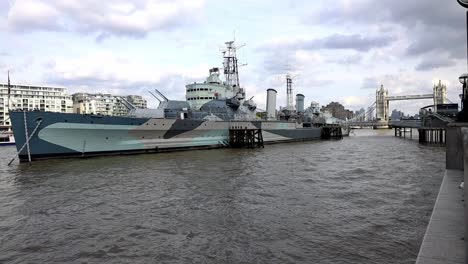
pixel 251 105
pixel 175 109
pixel 233 103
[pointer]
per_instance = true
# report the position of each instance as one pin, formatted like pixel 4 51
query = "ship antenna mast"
pixel 231 67
pixel 289 93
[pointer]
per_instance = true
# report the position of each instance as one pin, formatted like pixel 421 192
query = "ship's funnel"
pixel 271 104
pixel 300 103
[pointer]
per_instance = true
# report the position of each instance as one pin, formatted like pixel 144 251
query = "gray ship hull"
pixel 58 135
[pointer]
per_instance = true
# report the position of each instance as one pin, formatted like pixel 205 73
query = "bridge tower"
pixel 440 93
pixel 381 104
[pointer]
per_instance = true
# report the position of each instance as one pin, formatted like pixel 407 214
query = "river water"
pixel 364 199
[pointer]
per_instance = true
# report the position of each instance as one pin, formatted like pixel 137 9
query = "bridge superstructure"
pixel 382 103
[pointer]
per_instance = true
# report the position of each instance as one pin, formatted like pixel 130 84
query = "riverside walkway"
pixel 444 241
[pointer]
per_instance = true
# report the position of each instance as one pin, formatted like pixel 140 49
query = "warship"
pixel 211 110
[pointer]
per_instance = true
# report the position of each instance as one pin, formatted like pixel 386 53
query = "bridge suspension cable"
pixel 369 109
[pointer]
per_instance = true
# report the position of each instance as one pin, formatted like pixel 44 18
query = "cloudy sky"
pixel 339 50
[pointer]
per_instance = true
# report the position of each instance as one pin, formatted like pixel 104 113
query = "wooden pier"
pixel 401 132
pixel 332 132
pixel 245 138
pixel 430 135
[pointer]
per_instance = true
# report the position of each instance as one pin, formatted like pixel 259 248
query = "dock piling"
pixel 244 137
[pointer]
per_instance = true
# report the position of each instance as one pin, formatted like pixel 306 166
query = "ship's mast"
pixel 231 67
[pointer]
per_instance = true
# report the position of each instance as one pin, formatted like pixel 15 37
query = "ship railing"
pixel 244 117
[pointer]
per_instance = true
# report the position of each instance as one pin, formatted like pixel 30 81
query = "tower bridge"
pixel 382 102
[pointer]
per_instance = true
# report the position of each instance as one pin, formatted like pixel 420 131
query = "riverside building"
pixel 50 99
pixel 137 101
pixel 105 104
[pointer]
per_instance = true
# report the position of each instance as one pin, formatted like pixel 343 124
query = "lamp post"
pixel 464 3
pixel 463 80
pixel 463 115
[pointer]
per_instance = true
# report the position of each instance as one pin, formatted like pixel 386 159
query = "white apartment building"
pixel 84 103
pixel 51 99
pixel 104 104
pixel 137 101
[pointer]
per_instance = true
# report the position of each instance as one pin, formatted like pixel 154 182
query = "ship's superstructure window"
pixel 197 94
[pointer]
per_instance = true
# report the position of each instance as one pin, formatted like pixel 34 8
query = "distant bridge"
pixel 381 106
pixel 415 123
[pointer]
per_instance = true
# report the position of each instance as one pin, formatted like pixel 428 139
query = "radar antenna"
pixel 231 67
pixel 289 92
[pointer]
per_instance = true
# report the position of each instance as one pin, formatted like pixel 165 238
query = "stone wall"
pixel 454 146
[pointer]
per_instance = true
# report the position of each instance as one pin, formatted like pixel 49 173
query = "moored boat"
pixel 6 136
pixel 204 120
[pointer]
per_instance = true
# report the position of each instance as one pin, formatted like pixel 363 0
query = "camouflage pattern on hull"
pixel 75 135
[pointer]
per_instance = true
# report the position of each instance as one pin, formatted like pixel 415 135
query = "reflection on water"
pixel 365 199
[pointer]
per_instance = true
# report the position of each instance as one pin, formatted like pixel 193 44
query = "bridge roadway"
pixel 410 97
pixel 416 123
pixel 407 123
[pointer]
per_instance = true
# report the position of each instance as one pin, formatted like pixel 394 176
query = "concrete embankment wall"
pixel 455 147
pixel 444 241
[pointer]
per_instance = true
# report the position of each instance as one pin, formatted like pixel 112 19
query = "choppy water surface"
pixel 365 199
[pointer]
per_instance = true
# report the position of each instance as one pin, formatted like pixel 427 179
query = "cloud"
pixel 282 61
pixel 134 18
pixel 356 102
pixel 434 62
pixel 120 76
pixel 355 42
pixel 400 83
pixel 370 83
pixel 354 59
pixel 299 55
pixel 429 25
pixel 444 41
pixel 429 12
